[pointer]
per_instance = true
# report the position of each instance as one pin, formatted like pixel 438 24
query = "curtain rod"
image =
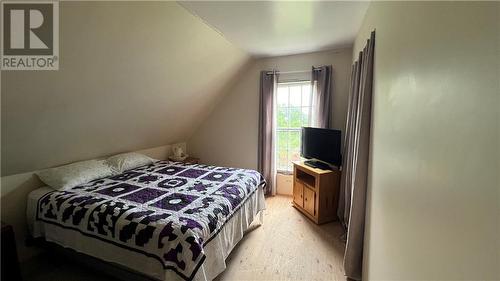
pixel 290 72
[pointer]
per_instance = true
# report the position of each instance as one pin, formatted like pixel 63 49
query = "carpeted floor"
pixel 287 246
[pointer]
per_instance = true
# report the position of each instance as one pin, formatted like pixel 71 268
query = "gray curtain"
pixel 266 166
pixel 321 81
pixel 352 201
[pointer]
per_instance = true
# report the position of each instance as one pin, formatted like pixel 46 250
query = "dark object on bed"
pixel 10 263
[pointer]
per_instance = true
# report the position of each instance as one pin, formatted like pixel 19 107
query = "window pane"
pixel 294 150
pixel 305 117
pixel 295 95
pixel 306 95
pixel 282 140
pixel 295 114
pixel 294 141
pixel 282 163
pixel 282 96
pixel 282 117
pixel 294 155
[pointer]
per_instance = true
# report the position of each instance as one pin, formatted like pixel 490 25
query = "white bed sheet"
pixel 216 251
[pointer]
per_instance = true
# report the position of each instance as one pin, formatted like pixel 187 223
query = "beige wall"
pixel 284 184
pixel 132 75
pixel 433 198
pixel 228 136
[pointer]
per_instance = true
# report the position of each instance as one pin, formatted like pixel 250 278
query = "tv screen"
pixel 321 144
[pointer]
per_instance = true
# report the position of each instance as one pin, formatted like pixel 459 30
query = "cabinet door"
pixel 309 201
pixel 298 197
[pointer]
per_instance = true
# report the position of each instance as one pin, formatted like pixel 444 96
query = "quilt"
pixel 166 210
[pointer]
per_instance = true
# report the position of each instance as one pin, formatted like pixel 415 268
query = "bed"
pixel 166 220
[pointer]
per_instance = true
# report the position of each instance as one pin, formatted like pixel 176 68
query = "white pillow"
pixel 126 161
pixel 71 175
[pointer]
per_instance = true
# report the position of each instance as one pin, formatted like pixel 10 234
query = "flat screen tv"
pixel 322 147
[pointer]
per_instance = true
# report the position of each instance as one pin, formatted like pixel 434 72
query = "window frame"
pixel 289 169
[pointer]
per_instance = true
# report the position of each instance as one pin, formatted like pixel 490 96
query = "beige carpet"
pixel 287 246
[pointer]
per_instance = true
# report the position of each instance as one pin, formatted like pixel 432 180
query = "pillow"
pixel 71 175
pixel 126 161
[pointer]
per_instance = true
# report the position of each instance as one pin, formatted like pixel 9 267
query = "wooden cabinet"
pixel 315 192
pixel 310 201
pixel 298 197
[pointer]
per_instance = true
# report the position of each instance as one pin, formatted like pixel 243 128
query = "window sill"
pixel 287 173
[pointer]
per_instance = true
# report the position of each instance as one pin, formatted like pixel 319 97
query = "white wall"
pixel 228 137
pixel 433 197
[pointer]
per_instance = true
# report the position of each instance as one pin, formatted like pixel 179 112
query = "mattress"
pixel 169 221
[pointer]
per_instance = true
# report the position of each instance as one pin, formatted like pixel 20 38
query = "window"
pixel 293 107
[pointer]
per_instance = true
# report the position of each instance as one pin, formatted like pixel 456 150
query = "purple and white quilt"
pixel 167 211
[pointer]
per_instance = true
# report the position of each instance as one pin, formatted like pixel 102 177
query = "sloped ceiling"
pixel 132 75
pixel 275 28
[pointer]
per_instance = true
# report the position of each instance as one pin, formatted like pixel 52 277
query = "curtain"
pixel 321 82
pixel 352 201
pixel 266 161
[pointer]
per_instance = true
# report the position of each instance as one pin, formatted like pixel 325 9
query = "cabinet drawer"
pixel 309 201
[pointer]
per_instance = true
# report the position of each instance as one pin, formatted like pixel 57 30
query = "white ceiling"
pixel 274 28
